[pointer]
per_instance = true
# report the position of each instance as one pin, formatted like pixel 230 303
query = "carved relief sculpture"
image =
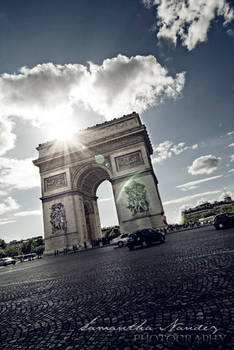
pixel 137 198
pixel 58 218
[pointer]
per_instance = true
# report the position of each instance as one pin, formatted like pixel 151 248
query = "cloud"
pixel 231 145
pixel 3 193
pixel 6 221
pixel 224 194
pixel 204 165
pixel 231 171
pixel 28 213
pixel 8 205
pixel 230 133
pixel 230 33
pixel 7 138
pixel 193 184
pixel 18 174
pixel 189 20
pixel 166 149
pixel 188 198
pixel 49 93
pixel 232 158
pixel 124 84
pixel 104 200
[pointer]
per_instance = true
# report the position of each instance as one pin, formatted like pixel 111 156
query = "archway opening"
pixel 107 208
pixel 99 208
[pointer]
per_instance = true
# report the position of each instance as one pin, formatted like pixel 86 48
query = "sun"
pixel 63 131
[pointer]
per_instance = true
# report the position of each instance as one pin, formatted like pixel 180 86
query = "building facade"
pixel 207 209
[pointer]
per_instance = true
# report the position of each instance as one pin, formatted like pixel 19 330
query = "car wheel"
pixel 120 244
pixel 130 248
pixel 220 225
pixel 148 243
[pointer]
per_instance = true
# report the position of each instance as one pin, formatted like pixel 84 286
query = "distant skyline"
pixel 66 65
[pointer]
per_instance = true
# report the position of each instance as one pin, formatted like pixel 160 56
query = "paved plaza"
pixel 177 295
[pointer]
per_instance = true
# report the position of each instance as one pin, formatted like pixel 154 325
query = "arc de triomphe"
pixel 118 151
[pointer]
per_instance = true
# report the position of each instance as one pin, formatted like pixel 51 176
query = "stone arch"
pixel 91 175
pixel 118 151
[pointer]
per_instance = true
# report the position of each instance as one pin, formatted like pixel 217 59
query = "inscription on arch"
pixel 53 182
pixel 129 160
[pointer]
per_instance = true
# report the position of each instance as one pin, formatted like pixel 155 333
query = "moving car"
pixel 26 257
pixel 7 261
pixel 120 240
pixel 224 220
pixel 145 237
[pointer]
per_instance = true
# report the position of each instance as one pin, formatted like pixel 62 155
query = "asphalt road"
pixel 177 295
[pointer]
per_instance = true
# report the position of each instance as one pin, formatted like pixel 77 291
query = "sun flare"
pixel 63 131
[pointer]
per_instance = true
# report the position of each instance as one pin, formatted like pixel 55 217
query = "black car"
pixel 224 220
pixel 145 237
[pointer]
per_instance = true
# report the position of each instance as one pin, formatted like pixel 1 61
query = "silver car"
pixel 7 261
pixel 120 240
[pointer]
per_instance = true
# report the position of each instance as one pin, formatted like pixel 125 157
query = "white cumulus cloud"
pixel 232 158
pixel 167 149
pixel 231 145
pixel 7 138
pixel 8 205
pixel 49 93
pixel 121 85
pixel 189 20
pixel 204 165
pixel 18 174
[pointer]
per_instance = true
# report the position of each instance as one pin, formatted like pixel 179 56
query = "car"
pixel 145 237
pixel 120 240
pixel 224 220
pixel 7 261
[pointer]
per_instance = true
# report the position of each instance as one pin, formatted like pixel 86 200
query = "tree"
pixel 39 241
pixel 26 247
pixel 2 253
pixel 39 250
pixel 2 244
pixel 12 250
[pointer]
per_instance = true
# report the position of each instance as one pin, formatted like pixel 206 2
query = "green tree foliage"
pixel 2 253
pixel 26 247
pixel 39 249
pixel 33 245
pixel 12 250
pixel 194 217
pixel 2 244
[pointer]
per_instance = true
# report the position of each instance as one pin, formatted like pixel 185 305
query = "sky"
pixel 66 65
